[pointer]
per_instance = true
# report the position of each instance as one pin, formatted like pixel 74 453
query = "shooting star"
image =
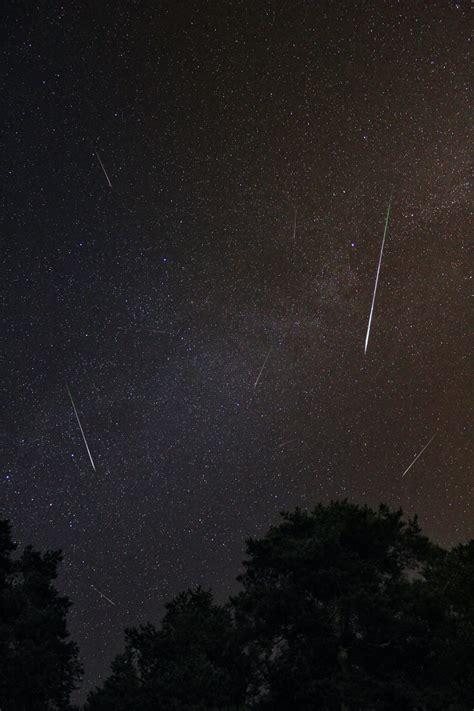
pixel 419 455
pixel 288 441
pixel 261 369
pixel 80 427
pixel 294 226
pixel 104 596
pixel 377 277
pixel 102 166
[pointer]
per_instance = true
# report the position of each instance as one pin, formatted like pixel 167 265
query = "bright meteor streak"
pixel 261 369
pixel 419 455
pixel 102 166
pixel 377 277
pixel 80 426
pixel 104 596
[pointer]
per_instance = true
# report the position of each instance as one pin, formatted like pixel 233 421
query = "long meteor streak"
pixel 102 166
pixel 419 455
pixel 104 596
pixel 261 369
pixel 377 277
pixel 80 426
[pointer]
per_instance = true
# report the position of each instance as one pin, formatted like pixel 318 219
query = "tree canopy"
pixel 193 662
pixel 39 664
pixel 346 607
pixel 342 608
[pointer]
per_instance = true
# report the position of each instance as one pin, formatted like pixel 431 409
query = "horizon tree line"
pixel 342 608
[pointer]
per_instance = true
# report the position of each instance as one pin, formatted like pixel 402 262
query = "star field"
pixel 158 299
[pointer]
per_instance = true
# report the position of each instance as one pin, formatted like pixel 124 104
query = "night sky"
pixel 252 148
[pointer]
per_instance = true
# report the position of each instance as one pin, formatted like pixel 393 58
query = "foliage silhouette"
pixel 345 607
pixel 342 608
pixel 39 665
pixel 193 662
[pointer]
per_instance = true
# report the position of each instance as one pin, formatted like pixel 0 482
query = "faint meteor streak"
pixel 377 276
pixel 80 427
pixel 288 441
pixel 294 227
pixel 104 596
pixel 419 455
pixel 102 166
pixel 261 369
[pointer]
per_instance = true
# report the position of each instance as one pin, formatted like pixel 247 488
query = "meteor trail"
pixel 288 441
pixel 102 166
pixel 104 596
pixel 419 455
pixel 261 369
pixel 294 227
pixel 377 277
pixel 80 426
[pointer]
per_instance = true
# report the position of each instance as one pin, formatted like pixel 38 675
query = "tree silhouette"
pixel 38 663
pixel 193 662
pixel 342 609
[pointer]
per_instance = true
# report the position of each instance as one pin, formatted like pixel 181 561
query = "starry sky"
pixel 194 190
